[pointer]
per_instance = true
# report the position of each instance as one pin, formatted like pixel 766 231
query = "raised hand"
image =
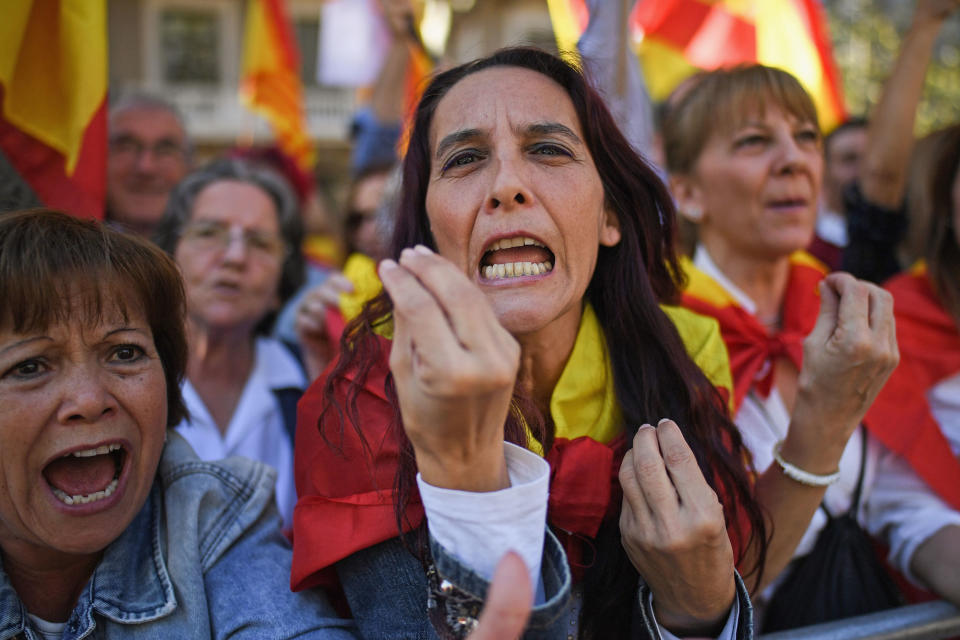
pixel 847 358
pixel 454 367
pixel 310 321
pixel 672 528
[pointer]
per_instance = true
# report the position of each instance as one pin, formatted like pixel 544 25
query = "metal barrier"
pixel 927 621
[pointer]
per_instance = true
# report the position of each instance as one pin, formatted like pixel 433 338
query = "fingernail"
pixel 645 426
pixel 387 265
pixel 424 249
pixel 406 253
pixel 662 420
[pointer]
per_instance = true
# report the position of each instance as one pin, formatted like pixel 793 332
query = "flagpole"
pixel 622 49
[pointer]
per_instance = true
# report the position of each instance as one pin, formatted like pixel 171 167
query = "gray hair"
pixel 179 211
pixel 135 100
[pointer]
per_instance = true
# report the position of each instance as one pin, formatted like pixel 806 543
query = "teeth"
pixel 520 241
pixel 98 451
pixel 93 497
pixel 514 269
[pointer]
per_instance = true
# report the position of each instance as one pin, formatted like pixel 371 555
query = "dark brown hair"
pixel 56 268
pixel 654 377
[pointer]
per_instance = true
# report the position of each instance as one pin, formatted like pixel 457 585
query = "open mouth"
pixel 86 476
pixel 516 257
pixel 787 203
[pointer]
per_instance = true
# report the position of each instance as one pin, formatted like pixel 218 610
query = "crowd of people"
pixel 554 391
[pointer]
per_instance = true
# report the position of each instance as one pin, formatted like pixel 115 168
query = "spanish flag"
pixel 677 38
pixel 53 113
pixel 270 83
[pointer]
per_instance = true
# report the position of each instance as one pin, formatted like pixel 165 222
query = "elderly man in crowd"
pixel 149 154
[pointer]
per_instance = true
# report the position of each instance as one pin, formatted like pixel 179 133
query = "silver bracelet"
pixel 803 477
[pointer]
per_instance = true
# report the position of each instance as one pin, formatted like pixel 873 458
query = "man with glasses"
pixel 148 155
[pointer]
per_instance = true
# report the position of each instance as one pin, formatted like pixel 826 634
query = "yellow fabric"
pixel 584 402
pixel 566 26
pixel 664 67
pixel 361 271
pixel 783 42
pixel 704 344
pixel 53 68
pixel 270 85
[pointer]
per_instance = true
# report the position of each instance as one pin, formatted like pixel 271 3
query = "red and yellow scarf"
pixel 753 349
pixel 347 491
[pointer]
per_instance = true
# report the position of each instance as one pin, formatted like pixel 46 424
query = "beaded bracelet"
pixel 803 477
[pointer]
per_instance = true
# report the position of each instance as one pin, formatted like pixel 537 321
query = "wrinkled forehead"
pixel 506 97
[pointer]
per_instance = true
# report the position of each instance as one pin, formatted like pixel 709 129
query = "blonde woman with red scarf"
pixel 808 351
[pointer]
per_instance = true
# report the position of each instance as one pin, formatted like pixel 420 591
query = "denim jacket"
pixel 204 558
pixel 386 588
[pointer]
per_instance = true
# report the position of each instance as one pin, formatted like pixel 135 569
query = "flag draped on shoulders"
pixel 677 38
pixel 900 417
pixel 752 348
pixel 53 112
pixel 270 81
pixel 347 486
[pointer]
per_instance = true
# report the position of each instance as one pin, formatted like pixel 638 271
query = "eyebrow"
pixel 455 138
pixel 535 129
pixel 551 128
pixel 23 342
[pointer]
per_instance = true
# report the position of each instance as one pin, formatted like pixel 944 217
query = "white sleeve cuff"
pixel 904 511
pixel 479 528
pixel 729 631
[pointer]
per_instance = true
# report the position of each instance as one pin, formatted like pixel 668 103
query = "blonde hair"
pixel 723 100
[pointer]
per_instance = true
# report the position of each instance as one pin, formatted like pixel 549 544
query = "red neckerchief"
pixel 753 349
pixel 900 417
pixel 347 492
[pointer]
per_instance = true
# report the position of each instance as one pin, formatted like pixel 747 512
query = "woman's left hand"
pixel 672 528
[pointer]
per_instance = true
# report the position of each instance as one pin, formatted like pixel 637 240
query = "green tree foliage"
pixel 866 37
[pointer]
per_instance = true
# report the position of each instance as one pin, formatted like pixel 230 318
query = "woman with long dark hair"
pixel 529 312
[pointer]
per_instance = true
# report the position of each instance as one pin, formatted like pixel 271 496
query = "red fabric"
pixel 826 252
pixel 753 350
pixel 44 169
pixel 580 493
pixel 929 353
pixel 345 504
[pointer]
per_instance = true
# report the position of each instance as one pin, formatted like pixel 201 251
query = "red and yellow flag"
pixel 270 83
pixel 53 89
pixel 677 38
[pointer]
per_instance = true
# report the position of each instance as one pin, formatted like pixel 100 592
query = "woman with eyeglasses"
pixel 234 230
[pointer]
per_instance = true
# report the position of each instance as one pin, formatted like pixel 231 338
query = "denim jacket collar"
pixel 128 586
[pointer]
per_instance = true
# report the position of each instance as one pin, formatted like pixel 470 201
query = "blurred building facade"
pixel 190 52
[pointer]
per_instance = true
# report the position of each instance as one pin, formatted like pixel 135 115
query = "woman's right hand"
pixel 847 358
pixel 454 367
pixel 309 323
